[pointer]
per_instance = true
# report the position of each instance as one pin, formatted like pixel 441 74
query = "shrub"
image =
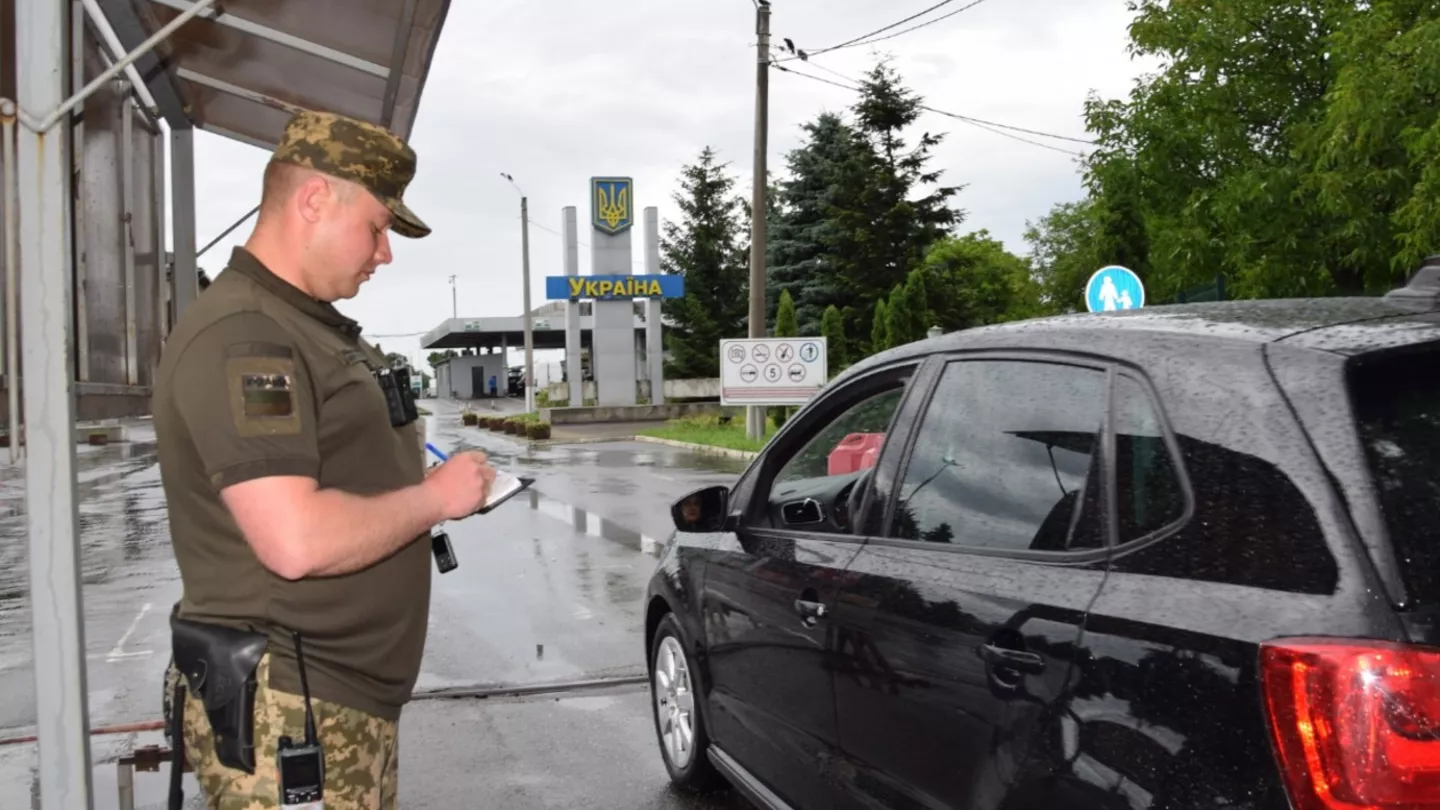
pixel 470 418
pixel 538 430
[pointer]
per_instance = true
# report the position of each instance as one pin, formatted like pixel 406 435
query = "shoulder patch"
pixel 262 395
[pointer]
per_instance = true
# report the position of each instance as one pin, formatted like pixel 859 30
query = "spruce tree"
pixel 708 249
pixel 837 351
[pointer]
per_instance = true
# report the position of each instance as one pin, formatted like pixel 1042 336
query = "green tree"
pixel 1205 169
pixel 1376 150
pixel 784 327
pixel 898 215
pixel 828 173
pixel 975 281
pixel 785 322
pixel 837 349
pixel 899 317
pixel 1065 250
pixel 880 328
pixel 706 248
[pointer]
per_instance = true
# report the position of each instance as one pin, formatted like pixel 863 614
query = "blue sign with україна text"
pixel 571 288
pixel 1114 288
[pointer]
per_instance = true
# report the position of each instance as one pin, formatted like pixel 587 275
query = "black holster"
pixel 218 664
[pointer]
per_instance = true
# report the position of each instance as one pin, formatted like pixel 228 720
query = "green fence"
pixel 1214 291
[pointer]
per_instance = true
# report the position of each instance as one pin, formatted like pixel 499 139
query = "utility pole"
pixel 755 414
pixel 525 275
pixel 454 302
pixel 529 329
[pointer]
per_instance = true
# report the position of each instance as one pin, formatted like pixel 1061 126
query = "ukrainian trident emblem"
pixel 610 199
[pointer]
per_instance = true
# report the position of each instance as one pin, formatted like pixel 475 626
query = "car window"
pixel 1006 458
pixel 852 440
pixel 1397 405
pixel 1148 492
pixel 822 472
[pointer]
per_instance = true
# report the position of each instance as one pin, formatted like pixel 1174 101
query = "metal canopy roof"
pixel 239 69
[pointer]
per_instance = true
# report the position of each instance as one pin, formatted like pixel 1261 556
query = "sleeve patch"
pixel 262 396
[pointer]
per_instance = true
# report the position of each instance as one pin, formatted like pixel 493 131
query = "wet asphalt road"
pixel 549 589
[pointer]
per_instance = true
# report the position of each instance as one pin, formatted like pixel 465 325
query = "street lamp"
pixel 454 303
pixel 525 274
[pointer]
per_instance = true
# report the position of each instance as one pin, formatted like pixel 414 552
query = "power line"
pixel 849 42
pixel 921 25
pixel 991 126
pixel 865 39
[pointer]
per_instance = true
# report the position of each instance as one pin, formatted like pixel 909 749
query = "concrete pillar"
pixel 612 340
pixel 654 336
pixel 573 371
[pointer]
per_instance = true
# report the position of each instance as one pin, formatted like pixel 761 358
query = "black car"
pixel 1180 557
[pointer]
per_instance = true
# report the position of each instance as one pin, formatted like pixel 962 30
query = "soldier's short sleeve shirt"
pixel 245 394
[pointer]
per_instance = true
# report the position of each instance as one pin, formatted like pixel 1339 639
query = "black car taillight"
pixel 1355 722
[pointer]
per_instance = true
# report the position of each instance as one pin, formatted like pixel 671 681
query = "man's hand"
pixel 461 484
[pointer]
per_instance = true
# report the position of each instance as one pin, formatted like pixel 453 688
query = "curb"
pixel 700 448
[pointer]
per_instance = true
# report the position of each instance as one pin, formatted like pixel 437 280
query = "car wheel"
pixel 679 727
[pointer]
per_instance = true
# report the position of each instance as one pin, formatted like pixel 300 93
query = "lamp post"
pixel 525 275
pixel 454 303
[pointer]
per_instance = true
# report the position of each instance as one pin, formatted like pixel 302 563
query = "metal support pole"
pixel 12 285
pixel 127 237
pixel 64 105
pixel 755 415
pixel 454 302
pixel 102 24
pixel 529 319
pixel 57 627
pixel 185 279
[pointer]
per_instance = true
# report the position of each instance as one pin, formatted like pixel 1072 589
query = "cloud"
pixel 554 93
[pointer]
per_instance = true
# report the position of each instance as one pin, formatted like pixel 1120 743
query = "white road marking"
pixel 126 656
pixel 582 612
pixel 118 651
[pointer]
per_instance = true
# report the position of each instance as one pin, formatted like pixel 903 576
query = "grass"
pixel 709 431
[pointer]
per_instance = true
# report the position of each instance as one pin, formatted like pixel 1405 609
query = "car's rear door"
pixel 770 587
pixel 961 623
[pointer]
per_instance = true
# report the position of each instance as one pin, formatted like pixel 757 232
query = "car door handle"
pixel 1017 660
pixel 810 611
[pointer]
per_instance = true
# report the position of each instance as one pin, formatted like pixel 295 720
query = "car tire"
pixel 675 706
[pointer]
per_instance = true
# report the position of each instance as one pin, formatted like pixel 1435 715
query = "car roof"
pixel 1346 326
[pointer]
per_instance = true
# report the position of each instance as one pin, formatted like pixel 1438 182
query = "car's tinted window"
pixel 1251 526
pixel 1397 406
pixel 1003 456
pixel 868 418
pixel 1148 493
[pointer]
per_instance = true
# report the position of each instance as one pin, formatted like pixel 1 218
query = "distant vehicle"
pixel 1176 557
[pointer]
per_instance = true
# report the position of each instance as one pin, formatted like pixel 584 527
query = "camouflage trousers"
pixel 362 752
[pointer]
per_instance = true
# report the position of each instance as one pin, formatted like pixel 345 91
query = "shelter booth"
pixel 95 96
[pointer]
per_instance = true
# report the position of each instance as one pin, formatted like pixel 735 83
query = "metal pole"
pixel 102 23
pixel 12 286
pixel 184 276
pixel 454 302
pixel 529 320
pixel 755 415
pixel 226 232
pixel 127 237
pixel 66 105
pixel 57 627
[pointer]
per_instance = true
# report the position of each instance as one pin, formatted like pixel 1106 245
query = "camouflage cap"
pixel 357 151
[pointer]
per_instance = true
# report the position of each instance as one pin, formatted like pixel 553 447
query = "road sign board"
pixel 1114 288
pixel 772 371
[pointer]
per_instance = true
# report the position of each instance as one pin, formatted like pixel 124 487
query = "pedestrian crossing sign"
pixel 1114 288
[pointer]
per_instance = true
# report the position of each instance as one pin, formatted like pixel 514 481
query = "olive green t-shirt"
pixel 258 379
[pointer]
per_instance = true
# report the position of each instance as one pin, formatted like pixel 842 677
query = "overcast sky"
pixel 555 92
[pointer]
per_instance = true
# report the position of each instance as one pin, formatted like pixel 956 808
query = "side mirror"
pixel 704 510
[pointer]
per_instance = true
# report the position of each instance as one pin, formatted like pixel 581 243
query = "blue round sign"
pixel 1114 288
